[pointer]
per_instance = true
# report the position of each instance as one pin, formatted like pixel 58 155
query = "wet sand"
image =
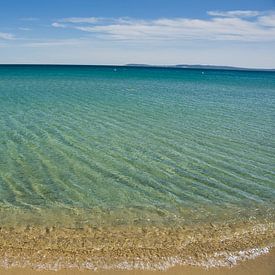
pixel 262 265
pixel 132 248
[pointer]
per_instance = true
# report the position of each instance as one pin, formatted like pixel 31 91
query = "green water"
pixel 136 142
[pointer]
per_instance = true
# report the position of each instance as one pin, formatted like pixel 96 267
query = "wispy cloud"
pixel 6 36
pixel 235 13
pixel 216 39
pixel 53 43
pixel 24 29
pixel 29 19
pixel 230 25
pixel 80 20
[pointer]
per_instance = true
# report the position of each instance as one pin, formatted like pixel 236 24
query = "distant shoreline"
pixel 198 66
pixel 178 66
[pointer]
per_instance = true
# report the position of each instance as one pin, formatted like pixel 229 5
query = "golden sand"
pixel 134 247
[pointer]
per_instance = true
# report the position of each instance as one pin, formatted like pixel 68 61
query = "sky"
pixel 159 32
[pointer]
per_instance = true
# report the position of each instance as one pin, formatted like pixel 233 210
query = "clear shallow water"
pixel 81 144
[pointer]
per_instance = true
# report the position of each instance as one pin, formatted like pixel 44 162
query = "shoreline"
pixel 147 248
pixel 264 265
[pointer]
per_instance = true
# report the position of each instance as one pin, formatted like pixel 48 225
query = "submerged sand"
pixel 132 247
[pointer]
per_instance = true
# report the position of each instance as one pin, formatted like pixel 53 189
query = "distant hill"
pixel 205 67
pixel 142 65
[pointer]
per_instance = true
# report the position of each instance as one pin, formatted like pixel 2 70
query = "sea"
pixel 135 167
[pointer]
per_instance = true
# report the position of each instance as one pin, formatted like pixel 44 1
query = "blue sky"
pixel 232 32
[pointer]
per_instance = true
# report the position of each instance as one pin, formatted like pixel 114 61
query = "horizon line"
pixel 144 65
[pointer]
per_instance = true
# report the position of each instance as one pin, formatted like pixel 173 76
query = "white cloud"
pixel 232 27
pixel 235 13
pixel 6 36
pixel 58 25
pixel 220 40
pixel 80 20
pixel 267 20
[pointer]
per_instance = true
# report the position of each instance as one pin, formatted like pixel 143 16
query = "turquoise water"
pixel 136 142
